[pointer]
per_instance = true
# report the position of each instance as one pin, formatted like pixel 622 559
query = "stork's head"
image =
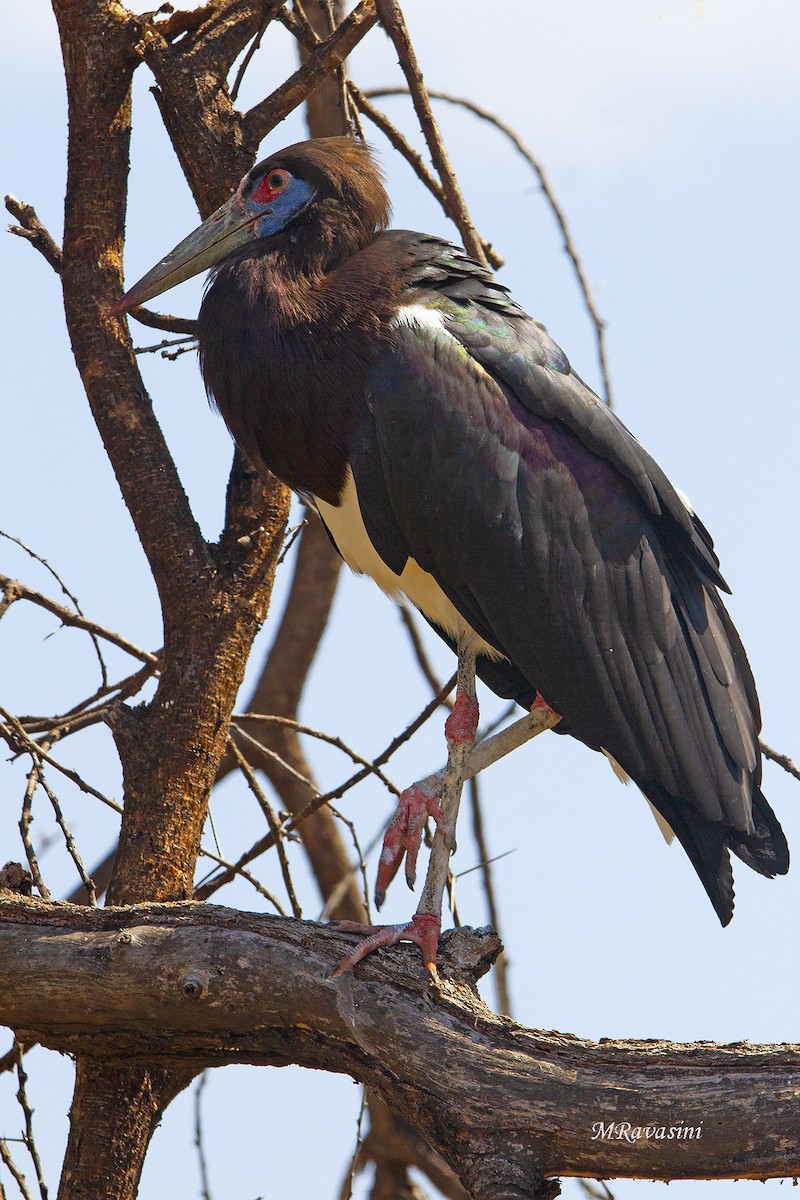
pixel 322 200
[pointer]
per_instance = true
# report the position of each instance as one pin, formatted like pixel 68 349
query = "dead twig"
pixel 346 1190
pixel 501 964
pixel 30 1141
pixel 394 23
pixel 240 873
pixel 165 321
pixel 13 1169
pixel 14 734
pixel 19 591
pixel 31 228
pixel 266 843
pixel 361 104
pixel 360 866
pixel 72 598
pixel 245 63
pixel 205 1190
pixel 329 738
pixel 167 344
pixel 407 617
pixel 83 714
pixel 321 62
pixel 782 760
pixel 272 821
pixel 25 821
pixel 88 883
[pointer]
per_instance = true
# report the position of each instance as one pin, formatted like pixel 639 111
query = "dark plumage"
pixel 335 349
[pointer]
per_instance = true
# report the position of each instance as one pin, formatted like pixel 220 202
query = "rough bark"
pixel 509 1108
pixel 213 597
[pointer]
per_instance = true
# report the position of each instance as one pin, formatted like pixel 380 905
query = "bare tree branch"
pixel 415 160
pixel 782 760
pixel 204 986
pixel 14 590
pixel 394 23
pixel 327 57
pixel 31 228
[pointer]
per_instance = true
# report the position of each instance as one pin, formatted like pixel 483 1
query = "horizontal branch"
pixel 165 321
pixel 196 985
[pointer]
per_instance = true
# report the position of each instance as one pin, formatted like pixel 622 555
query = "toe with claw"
pixel 423 929
pixel 404 836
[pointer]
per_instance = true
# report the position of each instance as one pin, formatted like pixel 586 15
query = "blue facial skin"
pixel 286 205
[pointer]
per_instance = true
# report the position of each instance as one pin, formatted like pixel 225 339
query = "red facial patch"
pixel 272 184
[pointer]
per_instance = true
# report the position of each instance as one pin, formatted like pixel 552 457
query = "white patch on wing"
pixel 685 501
pixel 346 526
pixel 421 315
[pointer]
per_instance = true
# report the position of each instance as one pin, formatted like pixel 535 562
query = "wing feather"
pixel 564 546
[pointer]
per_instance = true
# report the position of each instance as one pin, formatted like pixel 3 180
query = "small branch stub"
pixel 195 986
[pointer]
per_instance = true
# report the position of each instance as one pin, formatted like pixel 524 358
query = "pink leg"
pixel 437 797
pixel 462 724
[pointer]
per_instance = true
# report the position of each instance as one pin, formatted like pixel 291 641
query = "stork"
pixel 455 456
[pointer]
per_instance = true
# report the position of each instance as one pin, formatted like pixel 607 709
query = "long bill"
pixel 225 230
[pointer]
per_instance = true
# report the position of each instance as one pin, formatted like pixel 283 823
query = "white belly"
pixel 346 526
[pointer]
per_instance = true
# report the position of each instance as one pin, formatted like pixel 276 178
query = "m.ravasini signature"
pixel 626 1131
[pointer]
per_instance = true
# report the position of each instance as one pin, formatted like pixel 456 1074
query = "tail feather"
pixel 765 850
pixel 706 844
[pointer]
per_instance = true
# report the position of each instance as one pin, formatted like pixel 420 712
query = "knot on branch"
pixel 465 954
pixel 14 878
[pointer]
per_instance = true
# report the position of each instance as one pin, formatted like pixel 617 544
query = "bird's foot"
pixel 423 928
pixel 404 836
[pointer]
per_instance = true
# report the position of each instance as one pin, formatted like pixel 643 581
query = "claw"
pixel 423 929
pixel 403 837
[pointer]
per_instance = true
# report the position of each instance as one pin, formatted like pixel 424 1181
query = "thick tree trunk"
pixel 214 598
pixel 115 1110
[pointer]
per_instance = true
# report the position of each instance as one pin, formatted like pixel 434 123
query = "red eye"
pixel 272 183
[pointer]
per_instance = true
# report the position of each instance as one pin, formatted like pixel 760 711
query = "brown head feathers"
pixel 351 204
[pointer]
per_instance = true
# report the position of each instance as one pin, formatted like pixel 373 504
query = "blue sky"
pixel 669 133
